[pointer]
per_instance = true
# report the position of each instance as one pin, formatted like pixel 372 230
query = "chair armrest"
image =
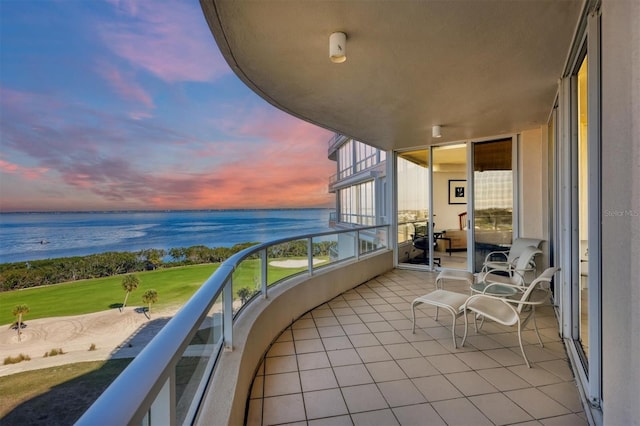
pixel 497 253
pixel 536 302
pixel 494 283
pixel 513 274
pixel 487 296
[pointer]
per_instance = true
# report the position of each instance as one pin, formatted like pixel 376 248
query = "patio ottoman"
pixel 447 274
pixel 449 300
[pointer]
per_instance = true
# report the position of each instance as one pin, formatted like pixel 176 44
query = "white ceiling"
pixel 476 67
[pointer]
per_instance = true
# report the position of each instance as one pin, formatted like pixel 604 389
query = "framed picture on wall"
pixel 457 191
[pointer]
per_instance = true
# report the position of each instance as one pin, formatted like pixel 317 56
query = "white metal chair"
pixel 508 281
pixel 503 260
pixel 510 311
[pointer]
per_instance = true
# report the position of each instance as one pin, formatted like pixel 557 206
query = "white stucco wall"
pixel 621 211
pixel 446 214
pixel 533 189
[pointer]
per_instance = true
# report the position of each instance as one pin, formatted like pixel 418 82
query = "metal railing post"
pixel 263 272
pixel 227 314
pixel 162 410
pixel 310 254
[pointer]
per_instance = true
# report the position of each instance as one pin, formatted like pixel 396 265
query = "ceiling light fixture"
pixel 338 47
pixel 436 132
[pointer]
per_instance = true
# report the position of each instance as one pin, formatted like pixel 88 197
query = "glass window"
pixel 493 197
pixel 357 204
pixel 413 192
pixel 583 206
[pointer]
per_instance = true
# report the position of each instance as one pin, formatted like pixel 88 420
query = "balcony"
pixel 207 353
pixel 334 143
pixel 332 342
pixel 354 360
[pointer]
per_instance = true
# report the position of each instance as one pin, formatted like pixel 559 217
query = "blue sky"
pixel 111 105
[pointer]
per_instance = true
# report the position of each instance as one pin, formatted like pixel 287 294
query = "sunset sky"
pixel 115 105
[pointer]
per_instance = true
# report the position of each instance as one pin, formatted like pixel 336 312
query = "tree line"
pixel 36 273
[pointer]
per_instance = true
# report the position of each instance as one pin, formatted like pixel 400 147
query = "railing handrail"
pixel 129 397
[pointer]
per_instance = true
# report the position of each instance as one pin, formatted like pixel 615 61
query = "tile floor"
pixel 355 361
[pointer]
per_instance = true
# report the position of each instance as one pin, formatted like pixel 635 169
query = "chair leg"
pixel 522 347
pixel 466 327
pixel 453 330
pixel 436 313
pixel 413 317
pixel 535 325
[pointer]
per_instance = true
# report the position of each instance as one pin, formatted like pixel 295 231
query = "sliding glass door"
pixel 493 183
pixel 436 201
pixel 432 207
pixel 450 198
pixel 581 151
pixel 415 232
pixel 579 206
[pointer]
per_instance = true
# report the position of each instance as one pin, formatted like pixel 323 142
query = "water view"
pixel 33 236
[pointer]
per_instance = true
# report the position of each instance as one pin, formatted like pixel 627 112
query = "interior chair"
pixel 509 281
pixel 504 260
pixel 511 311
pixel 421 242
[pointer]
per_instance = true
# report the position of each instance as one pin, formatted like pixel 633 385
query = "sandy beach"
pixel 295 263
pixel 115 334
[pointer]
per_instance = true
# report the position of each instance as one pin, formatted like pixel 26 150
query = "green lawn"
pixel 174 286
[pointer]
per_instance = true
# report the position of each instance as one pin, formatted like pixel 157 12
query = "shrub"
pixel 16 359
pixel 54 352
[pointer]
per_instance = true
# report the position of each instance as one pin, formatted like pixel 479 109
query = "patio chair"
pixel 511 311
pixel 511 280
pixel 503 260
pixel 421 242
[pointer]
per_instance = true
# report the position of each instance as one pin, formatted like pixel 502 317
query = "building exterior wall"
pixel 621 211
pixel 533 187
pixel 359 182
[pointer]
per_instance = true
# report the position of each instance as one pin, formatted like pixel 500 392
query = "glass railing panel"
pixel 196 363
pixel 323 249
pixel 246 281
pixel 405 231
pixel 372 240
pixel 338 247
pixel 286 260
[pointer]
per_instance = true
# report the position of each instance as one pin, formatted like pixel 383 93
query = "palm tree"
pixel 19 311
pixel 150 297
pixel 129 283
pixel 244 294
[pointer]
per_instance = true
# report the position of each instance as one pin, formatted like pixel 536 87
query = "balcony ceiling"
pixel 477 68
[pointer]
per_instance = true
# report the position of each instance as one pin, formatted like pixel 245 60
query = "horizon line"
pixel 161 210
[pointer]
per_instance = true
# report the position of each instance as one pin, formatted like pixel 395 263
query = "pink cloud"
pixel 29 173
pixel 168 39
pixel 125 85
pixel 269 160
pixel 270 174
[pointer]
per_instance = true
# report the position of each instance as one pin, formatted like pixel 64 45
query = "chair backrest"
pixel 541 297
pixel 526 257
pixel 519 244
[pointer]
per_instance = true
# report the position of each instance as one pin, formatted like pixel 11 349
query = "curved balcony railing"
pixel 166 382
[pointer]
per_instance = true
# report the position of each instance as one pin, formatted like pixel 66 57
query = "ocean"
pixel 34 236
